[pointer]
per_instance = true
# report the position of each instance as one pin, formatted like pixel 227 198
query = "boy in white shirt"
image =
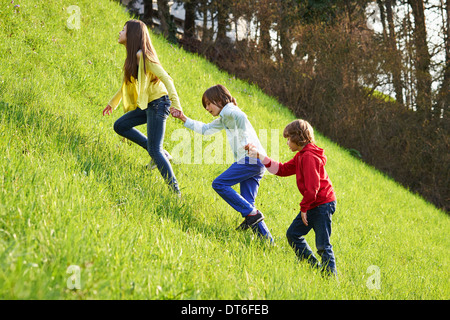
pixel 246 171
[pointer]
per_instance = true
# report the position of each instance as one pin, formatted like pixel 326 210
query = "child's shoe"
pixel 243 226
pixel 329 273
pixel 251 220
pixel 254 219
pixel 152 165
pixel 168 156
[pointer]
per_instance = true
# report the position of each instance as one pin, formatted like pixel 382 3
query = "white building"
pixel 177 11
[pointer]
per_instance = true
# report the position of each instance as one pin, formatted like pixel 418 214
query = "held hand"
pixel 174 112
pixel 252 150
pixel 107 110
pixel 177 114
pixel 304 218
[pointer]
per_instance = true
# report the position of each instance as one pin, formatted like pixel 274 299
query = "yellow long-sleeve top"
pixel 139 92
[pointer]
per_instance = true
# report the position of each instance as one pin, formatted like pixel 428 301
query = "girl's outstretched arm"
pixel 113 103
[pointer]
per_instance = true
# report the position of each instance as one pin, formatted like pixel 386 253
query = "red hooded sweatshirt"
pixel 312 179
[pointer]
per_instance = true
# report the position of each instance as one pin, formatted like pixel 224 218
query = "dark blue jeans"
pixel 155 117
pixel 319 219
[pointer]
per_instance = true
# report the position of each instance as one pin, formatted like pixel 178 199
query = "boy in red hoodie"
pixel 319 200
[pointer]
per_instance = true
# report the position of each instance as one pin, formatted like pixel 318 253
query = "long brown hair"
pixel 138 38
pixel 219 95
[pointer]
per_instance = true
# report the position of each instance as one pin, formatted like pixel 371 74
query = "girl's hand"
pixel 107 110
pixel 177 114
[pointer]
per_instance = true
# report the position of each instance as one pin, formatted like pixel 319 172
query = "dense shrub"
pixel 331 81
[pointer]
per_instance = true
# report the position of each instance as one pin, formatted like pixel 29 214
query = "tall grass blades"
pixel 82 218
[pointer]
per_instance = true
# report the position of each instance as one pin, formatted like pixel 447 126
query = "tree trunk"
pixel 222 21
pixel 285 7
pixel 189 18
pixel 422 61
pixel 443 101
pixel 148 12
pixel 203 8
pixel 264 16
pixel 164 16
pixel 382 18
pixel 397 65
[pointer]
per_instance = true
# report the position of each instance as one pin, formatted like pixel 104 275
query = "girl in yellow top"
pixel 147 93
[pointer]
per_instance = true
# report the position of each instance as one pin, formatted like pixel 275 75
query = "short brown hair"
pixel 300 132
pixel 219 95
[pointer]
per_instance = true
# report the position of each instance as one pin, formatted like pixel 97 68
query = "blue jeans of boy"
pixel 248 173
pixel 319 219
pixel 155 117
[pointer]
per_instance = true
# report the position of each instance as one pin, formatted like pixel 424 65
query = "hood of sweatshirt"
pixel 312 149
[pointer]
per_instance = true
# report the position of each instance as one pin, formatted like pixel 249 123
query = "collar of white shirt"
pixel 225 108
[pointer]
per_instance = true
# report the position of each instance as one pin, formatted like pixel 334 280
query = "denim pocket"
pixel 333 207
pixel 327 208
pixel 162 109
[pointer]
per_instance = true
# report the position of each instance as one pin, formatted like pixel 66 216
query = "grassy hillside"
pixel 73 193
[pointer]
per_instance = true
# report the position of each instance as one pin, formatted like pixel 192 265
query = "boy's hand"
pixel 177 114
pixel 107 110
pixel 252 151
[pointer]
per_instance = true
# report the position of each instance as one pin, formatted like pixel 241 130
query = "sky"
pixel 434 25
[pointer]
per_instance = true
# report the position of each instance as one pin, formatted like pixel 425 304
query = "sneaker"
pixel 243 226
pixel 152 164
pixel 251 221
pixel 328 272
pixel 168 156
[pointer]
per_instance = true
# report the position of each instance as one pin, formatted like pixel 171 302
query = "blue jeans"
pixel 155 117
pixel 319 219
pixel 248 173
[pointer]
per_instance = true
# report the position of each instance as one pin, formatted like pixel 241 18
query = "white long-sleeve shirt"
pixel 239 130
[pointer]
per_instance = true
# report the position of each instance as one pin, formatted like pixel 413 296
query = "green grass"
pixel 73 193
